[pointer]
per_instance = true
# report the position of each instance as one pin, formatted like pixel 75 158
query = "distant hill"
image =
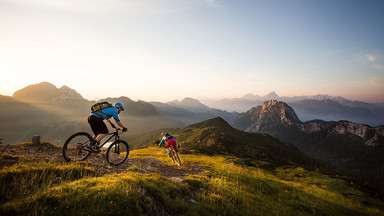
pixel 216 137
pixel 180 114
pixel 132 108
pixel 355 147
pixel 249 100
pixel 45 91
pixel 339 109
pixel 190 104
pixel 56 113
pixel 204 112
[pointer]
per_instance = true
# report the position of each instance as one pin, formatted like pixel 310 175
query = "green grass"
pixel 28 177
pixel 224 188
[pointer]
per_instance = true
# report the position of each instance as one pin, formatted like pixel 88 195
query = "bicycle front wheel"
pixel 117 152
pixel 74 148
pixel 176 157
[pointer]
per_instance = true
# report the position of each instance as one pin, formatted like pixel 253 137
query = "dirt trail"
pixel 50 153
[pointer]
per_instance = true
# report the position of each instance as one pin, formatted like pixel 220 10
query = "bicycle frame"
pixel 75 150
pixel 113 134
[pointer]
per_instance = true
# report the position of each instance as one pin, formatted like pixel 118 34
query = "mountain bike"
pixel 78 148
pixel 174 155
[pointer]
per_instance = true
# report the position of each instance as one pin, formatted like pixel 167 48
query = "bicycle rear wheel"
pixel 117 152
pixel 74 148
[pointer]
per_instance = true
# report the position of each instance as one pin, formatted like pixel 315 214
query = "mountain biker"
pixel 96 121
pixel 170 140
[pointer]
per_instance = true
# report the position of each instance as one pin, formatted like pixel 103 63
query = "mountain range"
pixel 38 107
pixel 308 108
pixel 56 113
pixel 355 147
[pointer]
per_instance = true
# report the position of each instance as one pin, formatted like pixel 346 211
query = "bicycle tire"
pixel 117 152
pixel 177 158
pixel 170 154
pixel 74 148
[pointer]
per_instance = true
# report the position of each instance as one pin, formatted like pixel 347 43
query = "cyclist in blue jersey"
pixel 96 121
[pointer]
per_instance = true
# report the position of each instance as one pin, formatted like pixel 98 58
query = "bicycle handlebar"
pixel 120 129
pixel 117 129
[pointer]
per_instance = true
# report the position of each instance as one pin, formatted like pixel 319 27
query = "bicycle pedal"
pixel 94 149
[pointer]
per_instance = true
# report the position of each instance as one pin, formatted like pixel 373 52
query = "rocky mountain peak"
pixel 271 105
pixel 271 96
pixel 281 110
pixel 271 114
pixel 275 117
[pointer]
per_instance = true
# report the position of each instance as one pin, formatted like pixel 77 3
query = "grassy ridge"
pixel 225 188
pixel 29 177
pixel 217 137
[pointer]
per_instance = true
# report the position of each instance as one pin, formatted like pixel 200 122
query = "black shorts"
pixel 97 124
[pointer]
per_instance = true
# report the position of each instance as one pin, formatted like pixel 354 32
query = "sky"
pixel 161 50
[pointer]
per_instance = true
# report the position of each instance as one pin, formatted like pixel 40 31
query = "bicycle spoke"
pixel 75 148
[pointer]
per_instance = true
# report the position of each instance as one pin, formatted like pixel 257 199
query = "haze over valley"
pixel 35 108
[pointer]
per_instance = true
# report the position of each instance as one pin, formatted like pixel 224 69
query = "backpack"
pixel 100 106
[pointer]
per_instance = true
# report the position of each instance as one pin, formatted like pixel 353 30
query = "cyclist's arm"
pixel 115 116
pixel 161 142
pixel 120 124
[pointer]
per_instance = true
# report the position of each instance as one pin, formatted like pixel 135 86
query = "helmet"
pixel 119 105
pixel 163 133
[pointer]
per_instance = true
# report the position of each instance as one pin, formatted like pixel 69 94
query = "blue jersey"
pixel 107 113
pixel 166 138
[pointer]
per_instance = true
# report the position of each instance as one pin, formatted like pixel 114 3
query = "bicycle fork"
pixel 117 147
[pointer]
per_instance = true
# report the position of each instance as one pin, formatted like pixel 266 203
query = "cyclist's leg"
pixel 174 145
pixel 167 147
pixel 100 137
pixel 98 127
pixel 93 123
pixel 172 142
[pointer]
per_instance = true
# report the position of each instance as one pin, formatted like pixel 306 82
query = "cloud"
pixel 371 58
